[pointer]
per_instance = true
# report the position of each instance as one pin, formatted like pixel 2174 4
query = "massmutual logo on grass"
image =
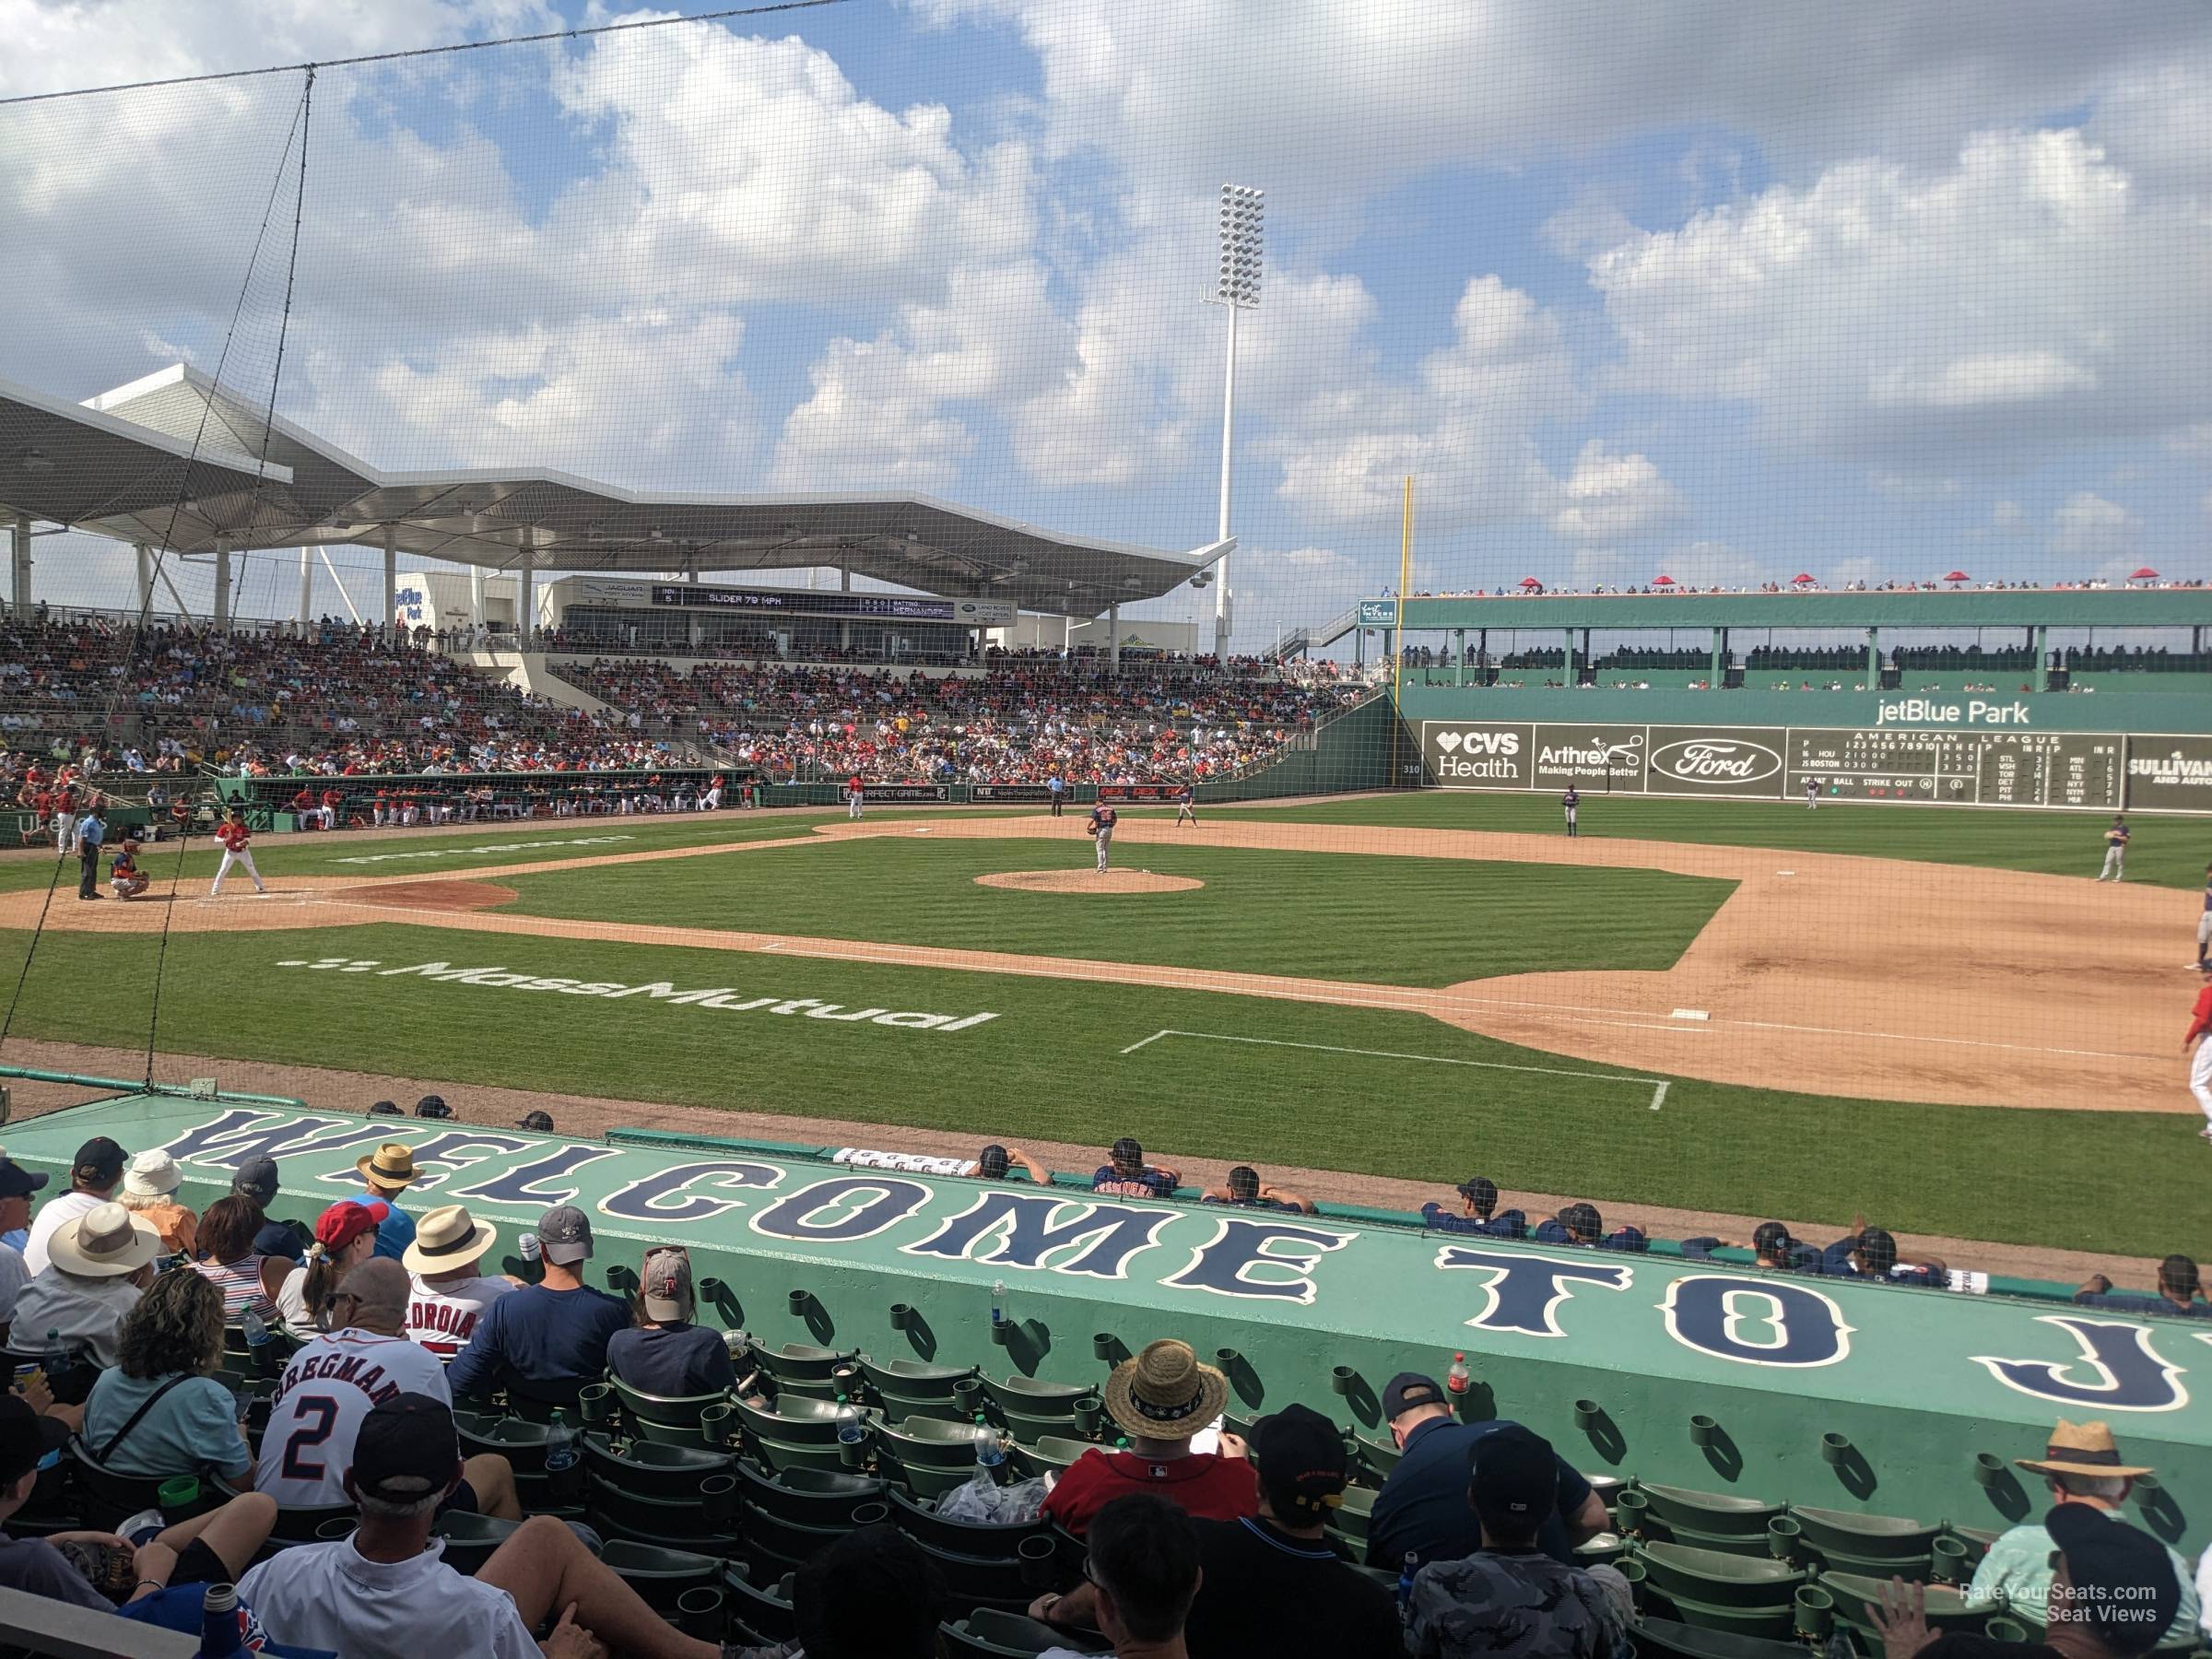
pixel 664 990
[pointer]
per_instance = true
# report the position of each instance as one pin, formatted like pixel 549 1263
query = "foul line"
pixel 1657 1088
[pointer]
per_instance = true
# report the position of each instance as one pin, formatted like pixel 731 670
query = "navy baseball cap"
pixel 101 1159
pixel 1409 1390
pixel 16 1181
pixel 2122 1577
pixel 406 1448
pixel 386 1109
pixel 1512 1474
pixel 1480 1190
pixel 1298 1453
pixel 541 1121
pixel 992 1162
pixel 256 1178
pixel 432 1106
pixel 1771 1237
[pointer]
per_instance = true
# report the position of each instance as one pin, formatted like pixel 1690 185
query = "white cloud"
pixel 885 412
pixel 1611 496
pixel 1983 314
pixel 2194 441
pixel 1910 487
pixel 2086 525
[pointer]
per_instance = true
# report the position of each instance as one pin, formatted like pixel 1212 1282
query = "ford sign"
pixel 1716 761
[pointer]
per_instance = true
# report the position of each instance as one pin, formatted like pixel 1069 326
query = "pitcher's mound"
pixel 429 895
pixel 1089 881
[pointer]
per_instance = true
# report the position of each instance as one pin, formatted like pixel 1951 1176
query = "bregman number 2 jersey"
pixel 316 1414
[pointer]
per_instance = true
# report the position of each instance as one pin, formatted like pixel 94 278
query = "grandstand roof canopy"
pixel 172 460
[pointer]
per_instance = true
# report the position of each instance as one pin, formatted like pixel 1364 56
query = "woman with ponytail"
pixel 344 1233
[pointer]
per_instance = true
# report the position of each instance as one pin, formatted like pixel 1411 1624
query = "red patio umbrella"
pixel 1802 579
pixel 1663 581
pixel 1958 576
pixel 2145 575
pixel 1529 581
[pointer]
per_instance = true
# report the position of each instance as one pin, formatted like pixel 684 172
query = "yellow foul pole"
pixel 1397 660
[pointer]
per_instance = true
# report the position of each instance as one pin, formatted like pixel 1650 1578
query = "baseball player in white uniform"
pixel 237 850
pixel 2200 1065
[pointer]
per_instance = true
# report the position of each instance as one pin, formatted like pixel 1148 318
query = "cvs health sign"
pixel 1485 754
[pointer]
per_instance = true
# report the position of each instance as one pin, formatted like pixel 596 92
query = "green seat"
pixel 1030 1409
pixel 303 1523
pixel 1854 1593
pixel 659 1575
pixel 1374 1459
pixel 1706 1519
pixel 792 1515
pixel 1721 1578
pixel 1877 1545
pixel 909 1388
pixel 786 1456
pixel 1050 1452
pixel 930 1442
pixel 794 1420
pixel 760 1609
pixel 1347 1522
pixel 801 1368
pixel 989 1633
pixel 674 1418
pixel 1670 1638
pixel 651 1469
pixel 920 1478
pixel 470 1539
pixel 521 1444
pixel 107 1498
pixel 988 1540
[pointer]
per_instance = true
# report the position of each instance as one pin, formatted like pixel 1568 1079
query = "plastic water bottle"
pixel 258 1334
pixel 850 1430
pixel 1455 1379
pixel 58 1359
pixel 1406 1569
pixel 529 1246
pixel 560 1444
pixel 218 1622
pixel 989 1452
pixel 998 1303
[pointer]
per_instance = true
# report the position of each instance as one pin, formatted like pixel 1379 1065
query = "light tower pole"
pixel 1237 287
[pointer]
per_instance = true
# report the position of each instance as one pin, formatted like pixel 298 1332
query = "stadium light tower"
pixel 1237 287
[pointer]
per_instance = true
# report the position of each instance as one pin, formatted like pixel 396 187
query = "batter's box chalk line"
pixel 1656 1085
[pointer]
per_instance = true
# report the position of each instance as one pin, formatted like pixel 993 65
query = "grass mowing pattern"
pixel 1320 915
pixel 2166 852
pixel 1050 1065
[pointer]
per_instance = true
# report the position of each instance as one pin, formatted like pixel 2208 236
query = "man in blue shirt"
pixel 2180 1294
pixel 547 1340
pixel 1422 1508
pixel 1247 1191
pixel 91 831
pixel 1477 1199
pixel 1129 1176
pixel 386 1173
pixel 1869 1253
pixel 1057 786
pixel 1769 1244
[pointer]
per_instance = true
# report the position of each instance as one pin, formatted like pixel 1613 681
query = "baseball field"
pixel 1935 1017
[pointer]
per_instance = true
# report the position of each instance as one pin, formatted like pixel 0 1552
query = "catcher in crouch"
pixel 123 873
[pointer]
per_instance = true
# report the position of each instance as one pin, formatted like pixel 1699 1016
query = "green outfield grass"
pixel 1368 1093
pixel 1310 915
pixel 2166 852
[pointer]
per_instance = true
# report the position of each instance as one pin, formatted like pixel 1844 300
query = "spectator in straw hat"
pixel 1159 1399
pixel 666 1354
pixel 451 1288
pixel 2083 1468
pixel 100 1262
pixel 150 1191
pixel 386 1173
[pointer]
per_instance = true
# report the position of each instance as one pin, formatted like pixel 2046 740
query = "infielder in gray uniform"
pixel 1103 819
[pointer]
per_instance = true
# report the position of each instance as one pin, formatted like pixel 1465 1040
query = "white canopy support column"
pixel 387 607
pixel 1113 638
pixel 222 584
pixel 19 583
pixel 143 556
pixel 307 589
pixel 844 628
pixel 525 606
pixel 477 619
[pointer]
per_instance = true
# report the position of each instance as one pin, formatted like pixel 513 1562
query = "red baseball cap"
pixel 345 1222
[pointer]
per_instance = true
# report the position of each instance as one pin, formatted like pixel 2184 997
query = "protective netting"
pixel 1718 520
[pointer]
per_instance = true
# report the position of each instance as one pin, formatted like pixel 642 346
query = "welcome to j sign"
pixel 935 1240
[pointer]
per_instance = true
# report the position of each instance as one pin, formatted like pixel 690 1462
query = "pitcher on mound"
pixel 1102 820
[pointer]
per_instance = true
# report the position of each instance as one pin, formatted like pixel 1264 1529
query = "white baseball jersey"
pixel 443 1317
pixel 316 1413
pixel 329 1596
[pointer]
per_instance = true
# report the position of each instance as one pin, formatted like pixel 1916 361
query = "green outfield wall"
pixel 1885 1400
pixel 1821 608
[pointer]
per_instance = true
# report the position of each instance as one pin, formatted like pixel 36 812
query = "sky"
pixel 1891 291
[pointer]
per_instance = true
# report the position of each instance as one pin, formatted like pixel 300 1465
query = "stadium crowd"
pixel 1200 1542
pixel 1024 719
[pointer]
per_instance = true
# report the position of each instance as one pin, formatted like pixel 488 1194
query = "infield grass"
pixel 1369 1092
pixel 1317 915
pixel 2166 852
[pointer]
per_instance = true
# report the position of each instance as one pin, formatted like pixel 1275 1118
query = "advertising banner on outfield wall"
pixel 2014 768
pixel 1008 791
pixel 2170 773
pixel 1114 795
pixel 908 794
